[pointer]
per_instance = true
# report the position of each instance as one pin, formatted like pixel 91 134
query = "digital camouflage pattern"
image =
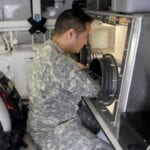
pixel 56 86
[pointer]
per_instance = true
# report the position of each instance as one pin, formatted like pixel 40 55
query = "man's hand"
pixel 81 66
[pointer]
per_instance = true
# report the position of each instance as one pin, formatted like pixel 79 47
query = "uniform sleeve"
pixel 80 83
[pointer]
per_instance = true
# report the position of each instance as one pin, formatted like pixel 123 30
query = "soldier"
pixel 56 85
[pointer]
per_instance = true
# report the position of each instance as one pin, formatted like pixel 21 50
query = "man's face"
pixel 78 40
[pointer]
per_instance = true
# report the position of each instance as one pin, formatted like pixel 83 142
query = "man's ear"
pixel 71 33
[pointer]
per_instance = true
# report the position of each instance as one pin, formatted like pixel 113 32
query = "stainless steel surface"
pixel 128 70
pixel 129 63
pixel 139 94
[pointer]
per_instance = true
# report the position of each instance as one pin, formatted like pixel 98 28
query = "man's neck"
pixel 60 42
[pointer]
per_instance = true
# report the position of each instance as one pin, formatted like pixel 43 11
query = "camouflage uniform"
pixel 56 86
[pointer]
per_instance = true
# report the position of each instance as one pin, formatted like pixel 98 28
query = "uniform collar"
pixel 55 45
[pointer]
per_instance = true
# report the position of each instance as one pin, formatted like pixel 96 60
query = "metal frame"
pixel 128 68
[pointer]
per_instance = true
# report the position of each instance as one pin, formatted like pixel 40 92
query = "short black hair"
pixel 71 18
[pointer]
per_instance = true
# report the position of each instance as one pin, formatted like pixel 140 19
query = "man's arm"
pixel 79 82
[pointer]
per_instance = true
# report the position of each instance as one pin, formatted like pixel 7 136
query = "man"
pixel 56 86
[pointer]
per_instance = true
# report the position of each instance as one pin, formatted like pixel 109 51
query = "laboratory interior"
pixel 116 58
